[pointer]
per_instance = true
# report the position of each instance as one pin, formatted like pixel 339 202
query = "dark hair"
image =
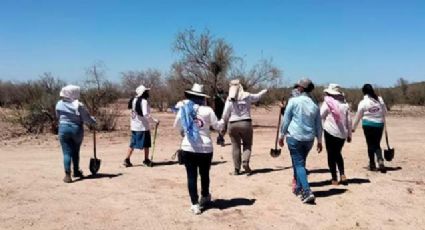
pixel 309 88
pixel 145 94
pixel 195 98
pixel 368 90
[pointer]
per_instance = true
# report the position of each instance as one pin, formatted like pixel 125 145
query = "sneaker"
pixel 205 200
pixel 196 209
pixel 148 163
pixel 67 178
pixel 298 193
pixel 78 173
pixel 308 198
pixel 127 163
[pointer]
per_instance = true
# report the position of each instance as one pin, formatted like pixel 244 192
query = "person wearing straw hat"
pixel 337 125
pixel 72 114
pixel 140 125
pixel 237 113
pixel 301 124
pixel 194 120
pixel 371 110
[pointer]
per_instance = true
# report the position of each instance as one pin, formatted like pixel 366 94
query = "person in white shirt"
pixel 337 124
pixel 194 120
pixel 140 125
pixel 371 110
pixel 237 113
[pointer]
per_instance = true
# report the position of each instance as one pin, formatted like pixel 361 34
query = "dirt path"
pixel 33 196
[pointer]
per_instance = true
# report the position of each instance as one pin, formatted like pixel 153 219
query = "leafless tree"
pixel 204 59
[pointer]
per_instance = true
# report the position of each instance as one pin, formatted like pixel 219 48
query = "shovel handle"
pixel 277 132
pixel 94 142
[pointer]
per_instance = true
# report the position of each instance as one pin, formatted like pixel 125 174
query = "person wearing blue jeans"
pixel 299 151
pixel 301 124
pixel 70 138
pixel 72 115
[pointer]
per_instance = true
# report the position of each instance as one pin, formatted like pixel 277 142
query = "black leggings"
pixel 333 147
pixel 193 161
pixel 373 139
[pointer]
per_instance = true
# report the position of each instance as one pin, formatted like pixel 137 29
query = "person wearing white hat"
pixel 337 125
pixel 194 120
pixel 140 125
pixel 71 114
pixel 237 113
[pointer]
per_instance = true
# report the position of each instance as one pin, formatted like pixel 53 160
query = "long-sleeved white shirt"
pixel 240 110
pixel 205 118
pixel 341 129
pixel 141 123
pixel 371 110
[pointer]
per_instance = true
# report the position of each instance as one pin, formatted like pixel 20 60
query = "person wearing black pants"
pixel 371 112
pixel 193 162
pixel 373 139
pixel 194 119
pixel 334 147
pixel 337 123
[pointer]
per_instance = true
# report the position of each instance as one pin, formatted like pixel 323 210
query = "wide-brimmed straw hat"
pixel 140 90
pixel 333 89
pixel 198 90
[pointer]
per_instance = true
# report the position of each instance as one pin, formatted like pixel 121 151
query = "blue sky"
pixel 347 42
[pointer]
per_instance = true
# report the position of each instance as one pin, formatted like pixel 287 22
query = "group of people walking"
pixel 303 122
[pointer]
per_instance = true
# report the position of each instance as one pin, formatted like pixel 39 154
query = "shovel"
pixel 276 152
pixel 153 144
pixel 94 162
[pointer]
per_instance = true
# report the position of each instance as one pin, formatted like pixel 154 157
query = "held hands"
pixel 319 147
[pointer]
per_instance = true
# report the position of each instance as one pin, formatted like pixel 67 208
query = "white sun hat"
pixel 71 92
pixel 333 89
pixel 140 90
pixel 198 90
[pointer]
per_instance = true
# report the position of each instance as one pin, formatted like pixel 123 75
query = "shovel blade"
pixel 275 152
pixel 94 165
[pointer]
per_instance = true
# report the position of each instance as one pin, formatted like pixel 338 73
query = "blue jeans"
pixel 299 151
pixel 70 138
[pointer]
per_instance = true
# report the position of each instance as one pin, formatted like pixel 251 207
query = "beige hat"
pixel 198 90
pixel 333 89
pixel 140 90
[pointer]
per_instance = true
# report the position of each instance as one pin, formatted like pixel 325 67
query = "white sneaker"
pixel 205 200
pixel 196 209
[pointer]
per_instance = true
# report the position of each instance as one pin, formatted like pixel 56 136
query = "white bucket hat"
pixel 198 90
pixel 140 90
pixel 333 89
pixel 71 92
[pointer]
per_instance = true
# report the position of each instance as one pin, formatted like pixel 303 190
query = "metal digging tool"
pixel 153 144
pixel 276 152
pixel 94 162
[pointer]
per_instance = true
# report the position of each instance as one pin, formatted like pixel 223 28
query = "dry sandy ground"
pixel 33 196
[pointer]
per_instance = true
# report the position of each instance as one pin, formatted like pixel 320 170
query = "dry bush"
pixel 33 106
pixel 97 95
